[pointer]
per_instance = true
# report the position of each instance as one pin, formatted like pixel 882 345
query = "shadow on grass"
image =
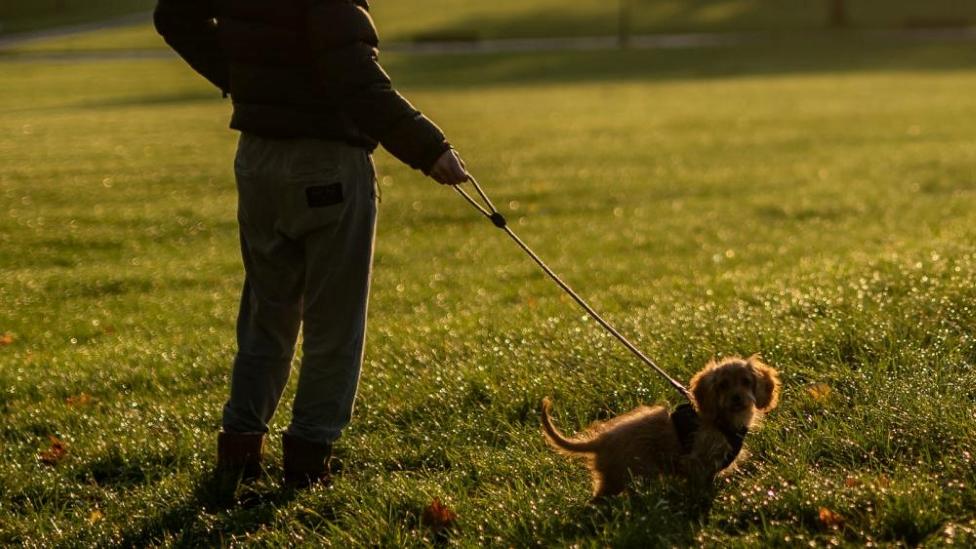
pixel 645 16
pixel 695 16
pixel 805 53
pixel 118 470
pixel 201 520
pixel 658 513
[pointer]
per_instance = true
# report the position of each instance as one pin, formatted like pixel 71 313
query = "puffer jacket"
pixel 299 69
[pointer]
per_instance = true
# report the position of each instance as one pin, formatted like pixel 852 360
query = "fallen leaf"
pixel 95 516
pixel 851 482
pixel 819 391
pixel 79 400
pixel 830 519
pixel 6 339
pixel 438 517
pixel 55 453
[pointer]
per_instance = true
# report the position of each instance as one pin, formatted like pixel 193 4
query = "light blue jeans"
pixel 307 215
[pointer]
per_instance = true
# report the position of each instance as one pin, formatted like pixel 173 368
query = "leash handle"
pixel 492 213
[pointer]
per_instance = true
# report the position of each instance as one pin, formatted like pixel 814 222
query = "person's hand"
pixel 449 169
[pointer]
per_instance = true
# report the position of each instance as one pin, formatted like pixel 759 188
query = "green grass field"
pixel 811 201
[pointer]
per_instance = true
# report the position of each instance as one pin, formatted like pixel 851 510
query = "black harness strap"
pixel 686 423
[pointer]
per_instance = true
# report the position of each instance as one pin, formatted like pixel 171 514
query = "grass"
pixel 511 18
pixel 31 15
pixel 813 202
pixel 405 20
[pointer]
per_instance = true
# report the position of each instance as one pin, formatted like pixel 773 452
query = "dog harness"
pixel 686 424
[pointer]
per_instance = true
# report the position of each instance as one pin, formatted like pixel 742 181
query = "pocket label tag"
pixel 320 196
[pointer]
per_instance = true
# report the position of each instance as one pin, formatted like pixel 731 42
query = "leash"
pixel 492 213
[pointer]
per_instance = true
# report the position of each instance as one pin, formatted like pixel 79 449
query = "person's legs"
pixel 337 276
pixel 271 300
pixel 266 334
pixel 269 315
pixel 307 214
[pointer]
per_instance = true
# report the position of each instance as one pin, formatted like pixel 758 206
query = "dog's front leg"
pixel 699 473
pixel 702 464
pixel 700 484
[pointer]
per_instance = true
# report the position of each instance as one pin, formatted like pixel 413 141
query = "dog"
pixel 696 441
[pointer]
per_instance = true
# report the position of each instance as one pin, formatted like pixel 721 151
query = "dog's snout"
pixel 740 400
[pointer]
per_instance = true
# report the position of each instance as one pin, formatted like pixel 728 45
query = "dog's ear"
pixel 703 389
pixel 767 384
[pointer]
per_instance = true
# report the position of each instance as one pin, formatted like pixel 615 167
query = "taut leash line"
pixel 499 221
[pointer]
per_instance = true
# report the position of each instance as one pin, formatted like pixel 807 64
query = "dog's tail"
pixel 557 439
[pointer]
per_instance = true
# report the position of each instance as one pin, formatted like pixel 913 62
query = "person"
pixel 311 102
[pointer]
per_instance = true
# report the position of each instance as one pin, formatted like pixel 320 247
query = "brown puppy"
pixel 696 441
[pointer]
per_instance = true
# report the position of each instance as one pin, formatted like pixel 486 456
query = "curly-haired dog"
pixel 696 440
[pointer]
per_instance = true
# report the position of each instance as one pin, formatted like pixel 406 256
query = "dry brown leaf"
pixel 819 391
pixel 55 453
pixel 79 400
pixel 95 516
pixel 438 517
pixel 851 482
pixel 6 339
pixel 830 519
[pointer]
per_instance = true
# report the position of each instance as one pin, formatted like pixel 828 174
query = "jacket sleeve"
pixel 344 44
pixel 190 28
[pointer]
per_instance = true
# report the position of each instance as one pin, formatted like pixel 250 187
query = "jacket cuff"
pixel 417 142
pixel 431 155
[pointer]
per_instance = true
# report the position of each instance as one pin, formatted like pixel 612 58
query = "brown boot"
pixel 238 459
pixel 240 452
pixel 306 463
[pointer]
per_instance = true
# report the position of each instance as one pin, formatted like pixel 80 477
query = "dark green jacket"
pixel 300 68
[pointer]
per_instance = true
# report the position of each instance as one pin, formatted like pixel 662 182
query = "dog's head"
pixel 730 391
